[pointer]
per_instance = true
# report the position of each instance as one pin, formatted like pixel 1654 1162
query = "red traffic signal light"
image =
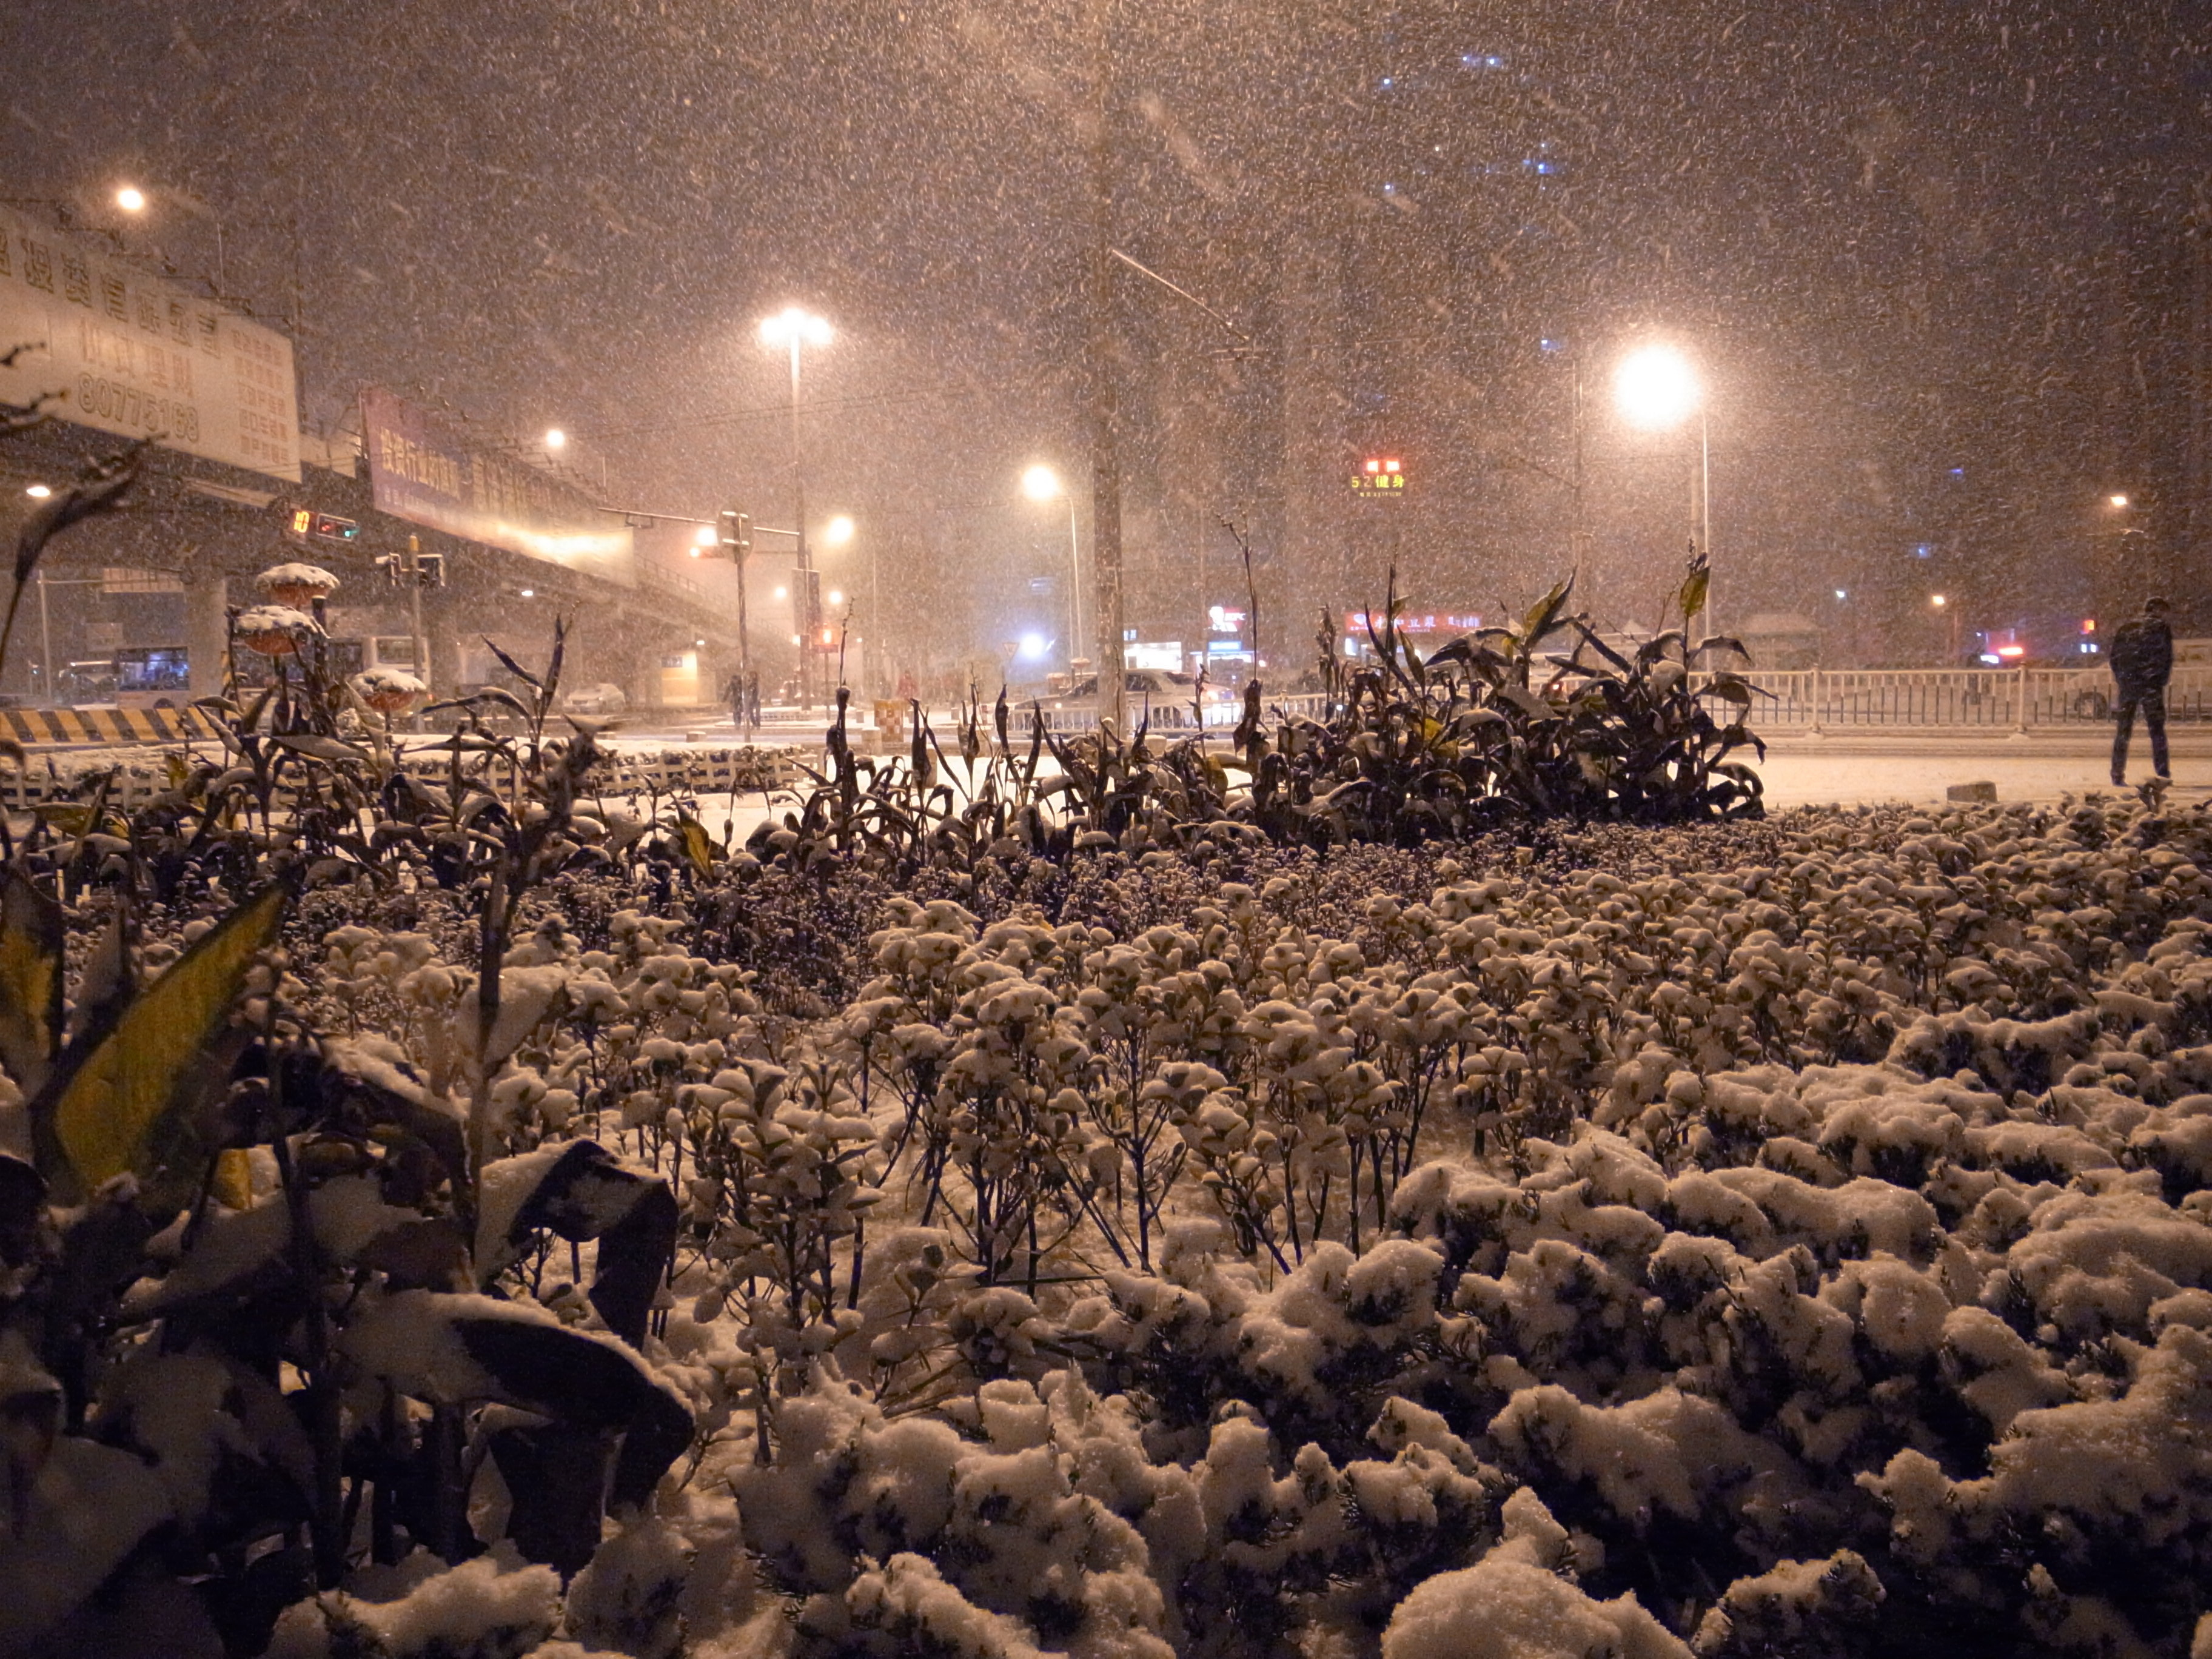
pixel 307 524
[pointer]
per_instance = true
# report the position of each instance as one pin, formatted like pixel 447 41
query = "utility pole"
pixel 735 532
pixel 1577 554
pixel 2196 249
pixel 802 585
pixel 1102 375
pixel 422 646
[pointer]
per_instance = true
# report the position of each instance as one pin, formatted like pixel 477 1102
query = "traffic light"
pixel 423 569
pixel 737 535
pixel 307 525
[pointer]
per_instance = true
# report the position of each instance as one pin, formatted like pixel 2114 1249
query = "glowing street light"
pixel 1041 483
pixel 2117 501
pixel 1938 600
pixel 130 199
pixel 838 530
pixel 556 438
pixel 1655 388
pixel 792 328
pixel 37 492
pixel 836 596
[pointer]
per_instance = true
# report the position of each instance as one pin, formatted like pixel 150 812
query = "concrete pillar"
pixel 207 631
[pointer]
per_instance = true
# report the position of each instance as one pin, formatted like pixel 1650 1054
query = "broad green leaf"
pixel 1527 701
pixel 318 747
pixel 1544 615
pixel 30 945
pixel 102 1113
pixel 514 667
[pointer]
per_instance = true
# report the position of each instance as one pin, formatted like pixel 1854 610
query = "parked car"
pixel 605 698
pixel 1161 687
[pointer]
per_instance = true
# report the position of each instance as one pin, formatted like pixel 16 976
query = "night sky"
pixel 1931 257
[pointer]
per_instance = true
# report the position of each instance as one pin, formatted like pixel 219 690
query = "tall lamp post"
pixel 1655 388
pixel 1042 483
pixel 794 328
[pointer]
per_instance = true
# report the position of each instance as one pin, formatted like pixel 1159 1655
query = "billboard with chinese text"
pixel 422 469
pixel 121 351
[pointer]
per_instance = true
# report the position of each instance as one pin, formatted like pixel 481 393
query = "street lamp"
pixel 556 439
pixel 134 201
pixel 1655 388
pixel 1041 483
pixel 793 328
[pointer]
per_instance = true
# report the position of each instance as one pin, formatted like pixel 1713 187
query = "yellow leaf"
pixel 30 979
pixel 233 1177
pixel 104 1115
pixel 697 847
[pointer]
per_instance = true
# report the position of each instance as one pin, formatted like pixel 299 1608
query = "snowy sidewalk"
pixel 1869 771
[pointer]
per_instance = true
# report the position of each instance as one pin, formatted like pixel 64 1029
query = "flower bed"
pixel 1745 1238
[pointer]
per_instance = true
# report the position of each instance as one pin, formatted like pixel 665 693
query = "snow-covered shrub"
pixel 1756 1234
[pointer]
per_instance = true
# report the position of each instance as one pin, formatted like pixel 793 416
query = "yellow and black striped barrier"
pixel 104 726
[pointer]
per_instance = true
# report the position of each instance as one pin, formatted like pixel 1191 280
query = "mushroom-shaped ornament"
pixel 389 691
pixel 296 585
pixel 276 630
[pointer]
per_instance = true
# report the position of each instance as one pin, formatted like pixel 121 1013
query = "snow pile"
pixel 1502 1608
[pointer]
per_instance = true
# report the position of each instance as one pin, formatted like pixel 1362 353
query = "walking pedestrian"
pixel 2143 662
pixel 752 698
pixel 734 694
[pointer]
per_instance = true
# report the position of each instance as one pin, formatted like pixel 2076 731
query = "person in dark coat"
pixel 2143 662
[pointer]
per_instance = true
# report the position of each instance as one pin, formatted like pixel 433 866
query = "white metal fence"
pixel 2005 699
pixel 1811 699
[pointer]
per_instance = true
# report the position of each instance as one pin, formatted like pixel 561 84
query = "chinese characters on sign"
pixel 422 471
pixel 1417 623
pixel 124 352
